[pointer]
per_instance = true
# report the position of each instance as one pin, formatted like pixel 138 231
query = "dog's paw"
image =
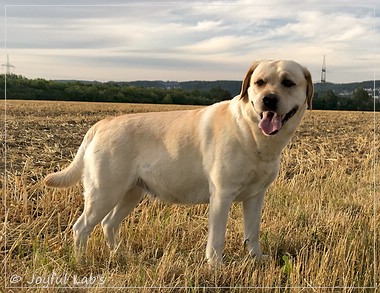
pixel 215 263
pixel 254 250
pixel 262 258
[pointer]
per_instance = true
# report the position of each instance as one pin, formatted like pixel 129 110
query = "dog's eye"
pixel 288 83
pixel 260 82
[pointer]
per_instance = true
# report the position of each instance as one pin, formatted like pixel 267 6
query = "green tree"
pixel 330 100
pixel 167 99
pixel 361 100
pixel 219 94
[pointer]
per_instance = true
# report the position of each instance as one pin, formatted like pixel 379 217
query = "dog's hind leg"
pixel 98 203
pixel 112 220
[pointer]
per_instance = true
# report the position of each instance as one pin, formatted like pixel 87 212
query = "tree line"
pixel 22 88
pixel 360 100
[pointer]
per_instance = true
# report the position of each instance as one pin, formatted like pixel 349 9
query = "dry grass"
pixel 318 221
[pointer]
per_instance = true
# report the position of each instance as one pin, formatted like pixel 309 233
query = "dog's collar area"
pixel 271 122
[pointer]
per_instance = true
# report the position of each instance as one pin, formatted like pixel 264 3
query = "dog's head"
pixel 277 91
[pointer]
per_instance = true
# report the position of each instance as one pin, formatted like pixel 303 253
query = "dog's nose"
pixel 270 101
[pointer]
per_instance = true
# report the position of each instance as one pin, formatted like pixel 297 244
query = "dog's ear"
pixel 247 79
pixel 310 88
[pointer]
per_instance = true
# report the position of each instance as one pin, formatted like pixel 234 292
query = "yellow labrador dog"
pixel 227 152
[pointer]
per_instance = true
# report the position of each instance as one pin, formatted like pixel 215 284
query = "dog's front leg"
pixel 217 222
pixel 252 216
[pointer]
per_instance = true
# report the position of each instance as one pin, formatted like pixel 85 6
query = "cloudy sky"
pixel 188 40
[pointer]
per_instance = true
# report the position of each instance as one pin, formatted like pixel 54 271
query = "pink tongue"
pixel 270 123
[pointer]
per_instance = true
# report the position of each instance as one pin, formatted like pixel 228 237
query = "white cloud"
pixel 208 25
pixel 196 40
pixel 216 45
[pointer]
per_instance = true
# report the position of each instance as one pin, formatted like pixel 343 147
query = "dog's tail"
pixel 73 173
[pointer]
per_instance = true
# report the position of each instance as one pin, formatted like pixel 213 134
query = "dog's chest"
pixel 256 179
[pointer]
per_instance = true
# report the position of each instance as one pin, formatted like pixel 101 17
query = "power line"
pixel 8 66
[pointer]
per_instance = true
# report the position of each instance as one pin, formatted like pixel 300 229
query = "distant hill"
pixel 234 86
pixel 328 96
pixel 347 88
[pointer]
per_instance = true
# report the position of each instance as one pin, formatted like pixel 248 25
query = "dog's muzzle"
pixel 271 122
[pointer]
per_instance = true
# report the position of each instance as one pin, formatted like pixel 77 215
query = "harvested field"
pixel 318 224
